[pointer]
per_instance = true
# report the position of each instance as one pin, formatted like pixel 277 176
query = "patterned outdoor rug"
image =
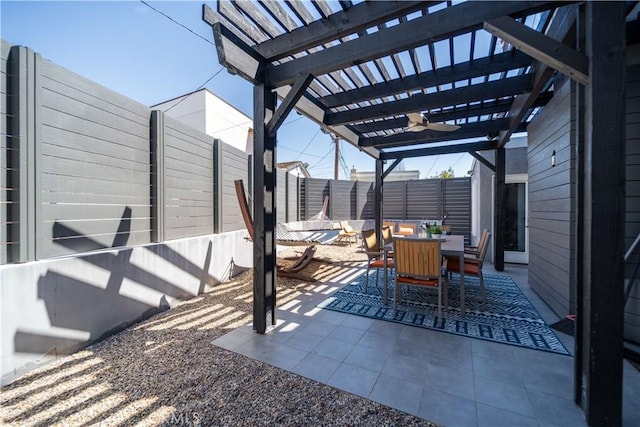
pixel 506 317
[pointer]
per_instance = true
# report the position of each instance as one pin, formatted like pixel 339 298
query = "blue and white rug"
pixel 506 317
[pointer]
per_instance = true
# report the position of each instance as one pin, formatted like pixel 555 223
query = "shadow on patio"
pixel 438 376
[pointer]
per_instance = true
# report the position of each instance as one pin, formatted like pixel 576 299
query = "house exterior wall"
pixel 482 188
pixel 204 111
pixel 552 203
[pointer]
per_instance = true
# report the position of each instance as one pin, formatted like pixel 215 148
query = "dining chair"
pixel 375 256
pixel 446 228
pixel 406 229
pixel 472 262
pixel 391 225
pixel 417 263
pixel 475 250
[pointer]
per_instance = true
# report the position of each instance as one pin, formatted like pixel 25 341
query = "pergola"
pixel 358 68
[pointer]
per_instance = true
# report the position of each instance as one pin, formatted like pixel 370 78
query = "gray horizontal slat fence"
pixel 457 205
pixel 188 181
pixel 293 198
pixel 6 145
pixel 315 191
pixel 343 199
pixel 364 202
pixel 231 165
pixel 92 159
pixel 281 196
pixel 394 197
pixel 423 199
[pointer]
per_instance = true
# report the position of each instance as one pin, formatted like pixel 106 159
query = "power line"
pixel 308 143
pixel 323 157
pixel 176 22
pixel 434 163
pixel 199 87
pixel 459 158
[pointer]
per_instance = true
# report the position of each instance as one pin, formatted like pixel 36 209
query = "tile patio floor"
pixel 445 378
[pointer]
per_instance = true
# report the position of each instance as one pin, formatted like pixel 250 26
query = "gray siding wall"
pixel 632 229
pixel 5 147
pixel 232 165
pixel 551 203
pixel 188 178
pixel 92 161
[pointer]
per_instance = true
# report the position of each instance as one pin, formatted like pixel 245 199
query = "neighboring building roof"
pixel 296 164
pixel 202 90
pixel 393 176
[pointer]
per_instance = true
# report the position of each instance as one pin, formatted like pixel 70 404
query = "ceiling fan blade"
pixel 415 117
pixel 417 127
pixel 443 127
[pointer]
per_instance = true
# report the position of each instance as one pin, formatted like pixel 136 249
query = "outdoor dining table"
pixel 451 245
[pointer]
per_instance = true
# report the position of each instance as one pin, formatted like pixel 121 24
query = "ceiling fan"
pixel 418 123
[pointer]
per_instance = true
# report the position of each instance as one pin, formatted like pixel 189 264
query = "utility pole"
pixel 336 139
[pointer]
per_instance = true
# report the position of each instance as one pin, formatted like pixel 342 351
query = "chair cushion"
pixel 379 263
pixel 469 267
pixel 416 281
pixel 405 230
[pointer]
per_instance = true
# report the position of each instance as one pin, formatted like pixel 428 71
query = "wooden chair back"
pixel 406 229
pixel 387 235
pixel 391 225
pixel 484 245
pixel 418 258
pixel 446 228
pixel 370 241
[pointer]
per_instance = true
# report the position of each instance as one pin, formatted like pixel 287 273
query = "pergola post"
pixel 377 199
pixel 264 210
pixel 499 206
pixel 601 306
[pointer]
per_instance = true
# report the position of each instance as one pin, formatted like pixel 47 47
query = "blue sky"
pixel 131 49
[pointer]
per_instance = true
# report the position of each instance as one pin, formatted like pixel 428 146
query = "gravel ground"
pixel 165 371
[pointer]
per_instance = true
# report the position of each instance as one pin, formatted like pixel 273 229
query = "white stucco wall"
pixel 53 307
pixel 206 112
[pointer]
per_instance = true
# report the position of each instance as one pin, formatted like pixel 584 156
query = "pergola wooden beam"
pixel 335 26
pixel 550 52
pixel 457 72
pixel 288 103
pixel 391 167
pixel 449 22
pixel 444 149
pixel 499 106
pixel 235 55
pixel 470 130
pixel 462 95
pixel 563 21
pixel 315 113
pixel 482 160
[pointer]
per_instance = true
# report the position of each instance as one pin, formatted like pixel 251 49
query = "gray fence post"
pixel 157 177
pixel 25 98
pixel 217 186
